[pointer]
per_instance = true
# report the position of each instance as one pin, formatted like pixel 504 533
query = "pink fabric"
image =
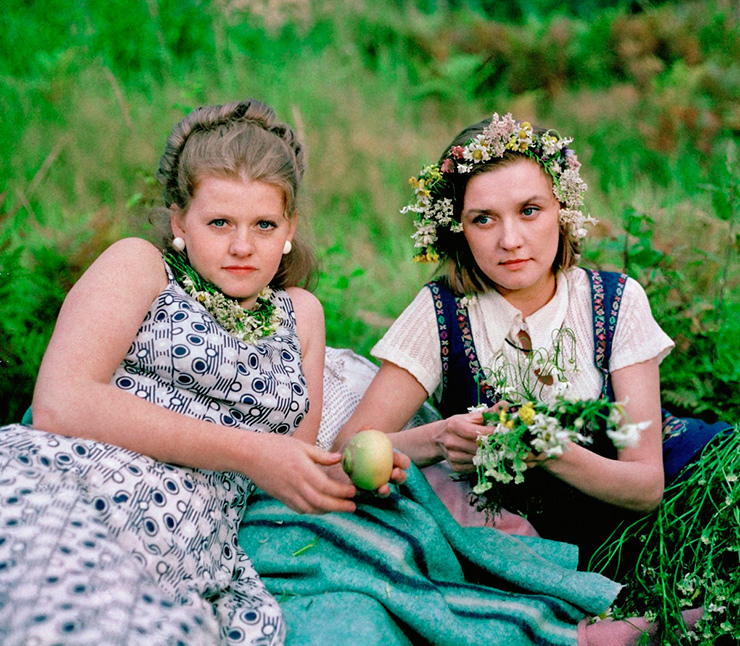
pixel 455 495
pixel 627 632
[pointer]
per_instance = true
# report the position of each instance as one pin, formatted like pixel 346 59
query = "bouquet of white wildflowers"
pixel 546 430
pixel 528 426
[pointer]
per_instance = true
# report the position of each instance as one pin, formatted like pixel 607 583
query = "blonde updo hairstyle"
pixel 457 263
pixel 240 140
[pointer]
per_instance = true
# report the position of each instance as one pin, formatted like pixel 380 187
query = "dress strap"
pixel 462 376
pixel 442 328
pixel 607 288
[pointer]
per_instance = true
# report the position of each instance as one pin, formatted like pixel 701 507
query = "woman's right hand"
pixel 290 470
pixel 457 440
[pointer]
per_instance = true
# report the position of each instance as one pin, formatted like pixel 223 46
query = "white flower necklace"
pixel 246 325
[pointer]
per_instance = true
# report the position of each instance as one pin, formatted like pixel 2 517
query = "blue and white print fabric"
pixel 183 360
pixel 101 545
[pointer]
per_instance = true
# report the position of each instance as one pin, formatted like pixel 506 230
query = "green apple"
pixel 368 459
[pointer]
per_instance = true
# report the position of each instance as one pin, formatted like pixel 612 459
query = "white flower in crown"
pixel 434 209
pixel 477 150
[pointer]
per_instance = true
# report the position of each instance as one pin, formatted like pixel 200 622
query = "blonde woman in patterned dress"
pixel 168 391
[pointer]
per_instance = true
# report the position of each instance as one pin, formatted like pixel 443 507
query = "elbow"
pixel 45 417
pixel 50 414
pixel 648 505
pixel 652 496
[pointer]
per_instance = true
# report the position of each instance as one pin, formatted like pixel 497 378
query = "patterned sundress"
pixel 103 546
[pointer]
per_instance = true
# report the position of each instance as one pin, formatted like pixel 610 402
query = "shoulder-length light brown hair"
pixel 457 264
pixel 241 140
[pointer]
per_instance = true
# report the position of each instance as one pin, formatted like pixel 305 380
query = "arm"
pixel 391 400
pixel 311 331
pixel 73 396
pixel 635 479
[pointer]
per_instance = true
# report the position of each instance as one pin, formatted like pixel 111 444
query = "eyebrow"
pixel 534 198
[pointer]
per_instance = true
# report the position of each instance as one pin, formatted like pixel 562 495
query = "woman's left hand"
pixel 401 463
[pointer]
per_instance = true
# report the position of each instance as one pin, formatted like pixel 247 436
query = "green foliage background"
pixel 650 91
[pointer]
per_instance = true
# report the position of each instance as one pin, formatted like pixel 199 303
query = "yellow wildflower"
pixel 526 413
pixel 429 256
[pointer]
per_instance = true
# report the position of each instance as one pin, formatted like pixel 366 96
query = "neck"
pixel 533 298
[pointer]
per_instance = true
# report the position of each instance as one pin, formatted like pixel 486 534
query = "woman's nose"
pixel 511 233
pixel 241 244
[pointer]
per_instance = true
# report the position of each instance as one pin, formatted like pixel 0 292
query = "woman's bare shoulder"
pixel 132 260
pixel 131 272
pixel 305 302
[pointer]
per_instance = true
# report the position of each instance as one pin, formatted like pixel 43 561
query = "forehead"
pixel 514 181
pixel 217 192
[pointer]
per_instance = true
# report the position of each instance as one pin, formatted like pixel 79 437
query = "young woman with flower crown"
pixel 512 318
pixel 170 389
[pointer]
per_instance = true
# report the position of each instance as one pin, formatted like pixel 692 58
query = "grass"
pixel 686 553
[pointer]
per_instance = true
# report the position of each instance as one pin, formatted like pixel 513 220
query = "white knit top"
pixel 412 342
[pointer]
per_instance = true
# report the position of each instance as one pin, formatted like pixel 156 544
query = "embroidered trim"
pixel 603 333
pixel 467 339
pixel 444 337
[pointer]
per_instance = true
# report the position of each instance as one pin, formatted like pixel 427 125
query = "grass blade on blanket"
pixel 686 553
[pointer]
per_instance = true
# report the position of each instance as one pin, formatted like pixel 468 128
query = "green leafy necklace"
pixel 246 325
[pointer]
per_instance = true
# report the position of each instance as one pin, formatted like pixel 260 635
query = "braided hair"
pixel 241 140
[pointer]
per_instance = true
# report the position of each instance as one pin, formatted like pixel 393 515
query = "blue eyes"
pixel 527 212
pixel 262 225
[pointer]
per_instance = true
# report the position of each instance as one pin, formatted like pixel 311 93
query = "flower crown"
pixel 434 209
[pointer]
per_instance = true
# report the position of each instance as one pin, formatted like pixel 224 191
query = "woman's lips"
pixel 515 264
pixel 239 270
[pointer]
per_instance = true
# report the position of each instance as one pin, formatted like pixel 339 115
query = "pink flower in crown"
pixel 456 152
pixel 571 160
pixel 448 166
pixel 498 133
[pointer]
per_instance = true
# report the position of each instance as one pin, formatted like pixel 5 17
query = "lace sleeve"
pixel 412 342
pixel 638 336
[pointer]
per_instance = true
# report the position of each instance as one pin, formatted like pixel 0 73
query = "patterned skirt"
pixel 101 545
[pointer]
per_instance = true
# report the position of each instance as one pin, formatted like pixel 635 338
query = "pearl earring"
pixel 287 247
pixel 179 244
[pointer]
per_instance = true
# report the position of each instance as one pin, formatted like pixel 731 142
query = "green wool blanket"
pixel 402 571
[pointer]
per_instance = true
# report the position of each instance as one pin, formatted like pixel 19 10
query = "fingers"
pixel 322 495
pixel 467 426
pixel 460 442
pixel 323 457
pixel 334 488
pixel 303 484
pixel 401 460
pixel 383 491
